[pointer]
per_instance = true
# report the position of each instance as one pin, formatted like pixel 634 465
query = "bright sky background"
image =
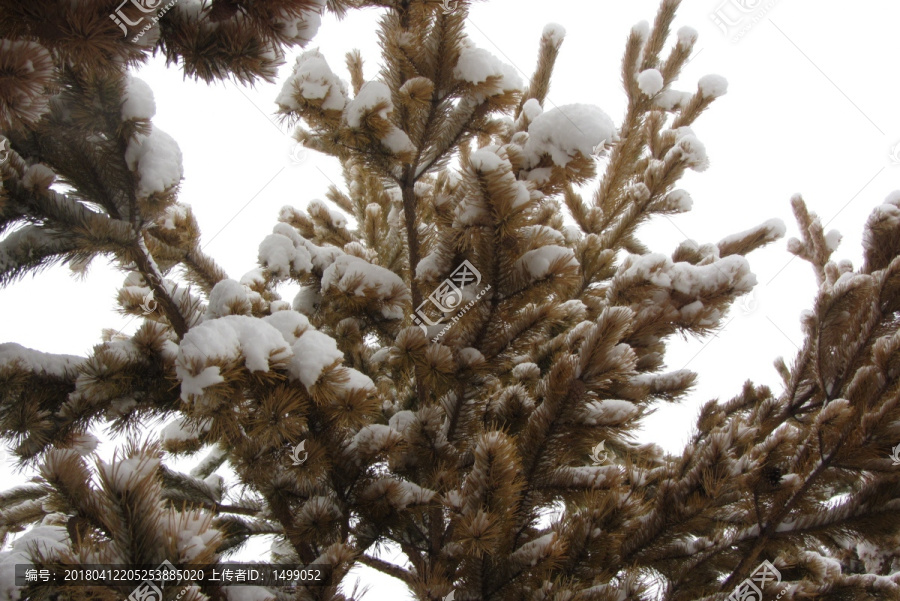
pixel 811 108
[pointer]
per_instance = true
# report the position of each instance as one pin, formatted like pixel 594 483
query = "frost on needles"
pixel 492 448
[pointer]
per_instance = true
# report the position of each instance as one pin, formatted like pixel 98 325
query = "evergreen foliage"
pixel 461 424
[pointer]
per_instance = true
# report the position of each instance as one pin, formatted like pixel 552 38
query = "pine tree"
pixel 462 371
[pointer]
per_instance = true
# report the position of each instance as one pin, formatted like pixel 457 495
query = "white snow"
pixel 357 276
pixel 833 240
pixel 397 141
pixel 301 29
pixel 232 337
pixel 713 86
pixel 156 159
pixel 196 534
pixel 38 176
pixel 689 149
pixel 537 262
pixel 486 160
pixel 182 430
pixel 84 444
pixel 126 474
pixel 313 352
pixel 373 439
pixel 555 33
pixel 476 65
pixel 307 300
pixel 372 94
pixel 670 99
pixel 37 362
pixel 138 99
pixel 226 294
pixel 609 412
pixel 533 551
pixel 641 29
pixel 564 131
pixel 291 324
pixel 650 82
pixel 770 230
pixel 313 80
pixel 679 200
pixel 532 109
pixel 687 36
pixel 691 280
pixel 281 256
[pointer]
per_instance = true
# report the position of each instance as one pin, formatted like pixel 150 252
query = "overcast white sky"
pixel 812 107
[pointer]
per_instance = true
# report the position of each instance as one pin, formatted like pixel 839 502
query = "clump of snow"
pixel 225 297
pixel 313 80
pixel 532 109
pixel 182 430
pixel 486 160
pixel 641 29
pixel 37 362
pixel 537 262
pixel 732 271
pixel 229 338
pixel 84 444
pixel 397 141
pixel 679 200
pixel 156 159
pixel 833 240
pixel 38 177
pixel 650 82
pixel 313 352
pixel 670 99
pixel 689 149
pixel 291 324
pixel 138 99
pixel 609 412
pixel 354 275
pixel 713 86
pixel 303 28
pixel 126 474
pixel 567 130
pixel 307 300
pixel 476 66
pixel 195 533
pixel 372 94
pixel 771 230
pixel 555 33
pixel 687 36
pixel 280 255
